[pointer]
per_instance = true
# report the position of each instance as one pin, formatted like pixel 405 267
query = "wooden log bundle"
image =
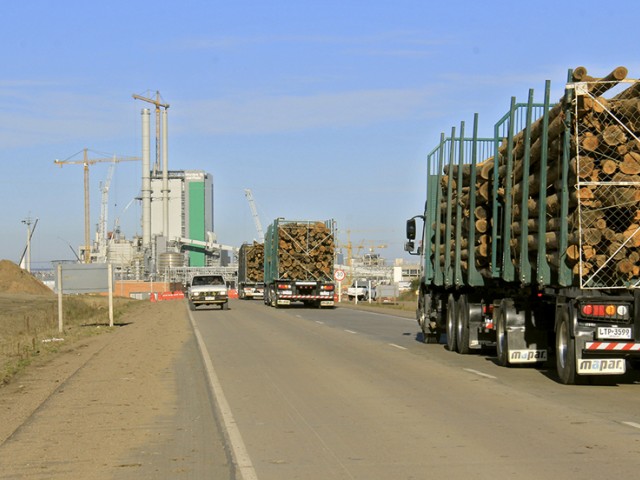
pixel 305 251
pixel 603 186
pixel 254 262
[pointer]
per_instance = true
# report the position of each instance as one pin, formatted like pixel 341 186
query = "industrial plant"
pixel 177 217
pixel 177 212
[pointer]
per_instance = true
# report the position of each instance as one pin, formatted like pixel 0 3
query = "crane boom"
pixel 104 211
pixel 254 212
pixel 86 161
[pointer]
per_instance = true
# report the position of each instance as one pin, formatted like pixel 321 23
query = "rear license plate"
pixel 614 333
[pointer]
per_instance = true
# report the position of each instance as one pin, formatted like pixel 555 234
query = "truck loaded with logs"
pixel 298 263
pixel 251 271
pixel 531 236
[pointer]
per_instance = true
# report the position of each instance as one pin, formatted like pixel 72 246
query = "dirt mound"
pixel 15 280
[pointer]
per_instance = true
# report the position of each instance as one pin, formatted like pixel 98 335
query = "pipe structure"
pixel 146 181
pixel 165 174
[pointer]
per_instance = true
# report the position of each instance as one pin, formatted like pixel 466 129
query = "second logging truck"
pixel 298 263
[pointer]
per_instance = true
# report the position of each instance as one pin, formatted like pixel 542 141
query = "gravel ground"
pixel 129 404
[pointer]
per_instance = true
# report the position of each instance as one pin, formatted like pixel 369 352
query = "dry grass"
pixel 29 325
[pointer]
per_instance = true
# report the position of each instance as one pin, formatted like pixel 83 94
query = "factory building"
pixel 190 211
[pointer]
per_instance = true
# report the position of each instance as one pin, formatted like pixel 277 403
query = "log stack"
pixel 305 251
pixel 603 186
pixel 254 262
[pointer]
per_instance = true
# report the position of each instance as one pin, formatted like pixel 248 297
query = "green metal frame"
pixel 455 151
pixel 543 270
pixel 519 118
pixel 565 275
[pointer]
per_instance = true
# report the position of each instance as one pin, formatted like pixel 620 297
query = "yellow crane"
pixel 158 105
pixel 86 161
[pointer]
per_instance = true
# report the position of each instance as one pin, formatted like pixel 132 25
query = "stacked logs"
pixel 251 261
pixel 479 219
pixel 305 251
pixel 604 182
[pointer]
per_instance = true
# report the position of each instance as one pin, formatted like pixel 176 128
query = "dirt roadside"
pixel 115 406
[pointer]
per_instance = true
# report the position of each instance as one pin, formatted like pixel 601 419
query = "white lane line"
pixel 632 424
pixel 351 331
pixel 242 459
pixel 476 372
pixel 397 346
pixel 387 315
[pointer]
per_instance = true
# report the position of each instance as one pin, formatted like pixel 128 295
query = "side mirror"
pixel 411 230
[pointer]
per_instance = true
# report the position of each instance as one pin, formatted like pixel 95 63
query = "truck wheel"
pixel 502 339
pixel 566 351
pixel 225 306
pixel 192 306
pixel 421 314
pixel 451 324
pixel 462 325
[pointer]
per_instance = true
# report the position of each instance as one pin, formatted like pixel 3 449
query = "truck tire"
pixel 225 306
pixel 192 306
pixel 566 351
pixel 451 324
pixel 502 337
pixel 424 301
pixel 462 325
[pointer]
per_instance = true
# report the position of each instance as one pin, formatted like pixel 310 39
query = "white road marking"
pixel 319 322
pixel 397 346
pixel 632 424
pixel 476 372
pixel 387 315
pixel 351 331
pixel 242 459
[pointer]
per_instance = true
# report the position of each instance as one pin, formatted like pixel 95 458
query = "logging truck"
pixel 251 271
pixel 530 240
pixel 298 263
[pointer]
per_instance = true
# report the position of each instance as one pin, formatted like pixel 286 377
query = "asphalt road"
pixel 347 394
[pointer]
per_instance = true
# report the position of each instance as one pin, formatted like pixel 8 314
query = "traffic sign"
pixel 339 275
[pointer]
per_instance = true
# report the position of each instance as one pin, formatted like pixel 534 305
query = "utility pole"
pixel 26 256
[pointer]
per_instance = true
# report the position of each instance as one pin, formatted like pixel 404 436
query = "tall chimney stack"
pixel 146 181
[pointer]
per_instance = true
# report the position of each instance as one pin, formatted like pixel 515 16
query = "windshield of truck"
pixel 210 280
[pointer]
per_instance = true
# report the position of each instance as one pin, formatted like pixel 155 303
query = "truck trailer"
pixel 251 271
pixel 298 263
pixel 531 236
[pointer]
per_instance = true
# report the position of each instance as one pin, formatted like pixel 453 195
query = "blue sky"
pixel 324 109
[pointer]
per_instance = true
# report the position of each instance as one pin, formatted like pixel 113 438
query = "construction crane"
pixel 104 211
pixel 158 105
pixel 254 212
pixel 85 162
